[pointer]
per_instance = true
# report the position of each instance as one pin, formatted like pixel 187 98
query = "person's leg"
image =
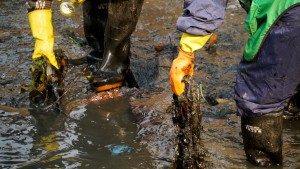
pixel 95 17
pixel 121 22
pixel 263 87
pixel 262 138
pixel 292 110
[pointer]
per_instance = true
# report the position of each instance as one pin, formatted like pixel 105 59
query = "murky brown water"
pixel 96 135
pixel 138 124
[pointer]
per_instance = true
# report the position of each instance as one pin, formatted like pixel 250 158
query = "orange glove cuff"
pixel 183 54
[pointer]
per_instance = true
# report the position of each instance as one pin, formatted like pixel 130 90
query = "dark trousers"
pixel 264 84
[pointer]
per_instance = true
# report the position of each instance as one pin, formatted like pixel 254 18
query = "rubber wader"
pixel 95 17
pixel 262 136
pixel 121 22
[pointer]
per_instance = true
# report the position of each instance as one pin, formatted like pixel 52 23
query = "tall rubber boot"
pixel 262 136
pixel 95 17
pixel 121 22
pixel 292 111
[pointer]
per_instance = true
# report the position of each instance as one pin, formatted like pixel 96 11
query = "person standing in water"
pixel 108 25
pixel 267 76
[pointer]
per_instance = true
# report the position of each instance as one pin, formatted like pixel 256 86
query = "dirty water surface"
pixel 96 135
pixel 134 129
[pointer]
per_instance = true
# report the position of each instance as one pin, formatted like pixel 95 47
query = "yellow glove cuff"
pixel 74 1
pixel 77 1
pixel 190 43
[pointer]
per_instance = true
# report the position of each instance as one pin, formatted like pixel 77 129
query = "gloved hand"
pixel 74 1
pixel 42 30
pixel 184 63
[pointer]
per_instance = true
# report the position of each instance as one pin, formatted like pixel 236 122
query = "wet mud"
pixel 139 120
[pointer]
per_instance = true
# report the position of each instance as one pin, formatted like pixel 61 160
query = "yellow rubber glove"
pixel 74 1
pixel 190 43
pixel 184 63
pixel 42 30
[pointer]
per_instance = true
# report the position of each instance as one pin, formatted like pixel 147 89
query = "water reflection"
pixel 91 137
pixel 16 139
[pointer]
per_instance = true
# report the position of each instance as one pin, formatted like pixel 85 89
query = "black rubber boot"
pixel 121 22
pixel 95 17
pixel 262 136
pixel 292 111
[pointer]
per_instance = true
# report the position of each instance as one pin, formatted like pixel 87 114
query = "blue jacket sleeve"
pixel 201 17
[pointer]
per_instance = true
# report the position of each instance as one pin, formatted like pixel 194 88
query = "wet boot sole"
pixel 108 86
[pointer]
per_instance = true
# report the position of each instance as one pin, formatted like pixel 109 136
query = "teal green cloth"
pixel 261 16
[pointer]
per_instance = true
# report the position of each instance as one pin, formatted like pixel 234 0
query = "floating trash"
pixel 159 48
pixel 119 149
pixel 78 114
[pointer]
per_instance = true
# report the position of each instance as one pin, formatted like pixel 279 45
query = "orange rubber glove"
pixel 183 65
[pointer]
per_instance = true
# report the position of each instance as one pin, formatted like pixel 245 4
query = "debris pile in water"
pixel 101 96
pixel 187 118
pixel 47 82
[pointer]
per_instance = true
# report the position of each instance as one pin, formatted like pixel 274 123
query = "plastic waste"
pixel 67 8
pixel 119 149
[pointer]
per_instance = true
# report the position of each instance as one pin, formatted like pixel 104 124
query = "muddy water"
pixel 138 123
pixel 96 135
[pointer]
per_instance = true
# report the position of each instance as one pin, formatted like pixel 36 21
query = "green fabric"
pixel 262 15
